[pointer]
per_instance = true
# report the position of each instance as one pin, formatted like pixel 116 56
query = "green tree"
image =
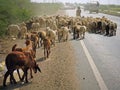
pixel 13 11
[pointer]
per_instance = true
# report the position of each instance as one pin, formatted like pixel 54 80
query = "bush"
pixel 13 12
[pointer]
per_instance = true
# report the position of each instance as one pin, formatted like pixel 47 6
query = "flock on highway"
pixel 45 31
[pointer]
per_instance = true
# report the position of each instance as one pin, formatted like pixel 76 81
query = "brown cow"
pixel 16 60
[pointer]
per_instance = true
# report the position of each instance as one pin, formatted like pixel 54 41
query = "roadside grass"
pixel 110 13
pixel 110 9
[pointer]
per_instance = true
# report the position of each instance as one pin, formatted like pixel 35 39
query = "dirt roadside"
pixel 58 72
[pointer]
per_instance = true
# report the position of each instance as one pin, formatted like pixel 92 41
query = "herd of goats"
pixel 44 31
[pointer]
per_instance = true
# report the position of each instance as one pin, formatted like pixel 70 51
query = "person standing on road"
pixel 78 12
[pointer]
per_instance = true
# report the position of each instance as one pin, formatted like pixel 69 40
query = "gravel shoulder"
pixel 58 72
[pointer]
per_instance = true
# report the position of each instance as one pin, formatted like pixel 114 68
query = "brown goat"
pixel 16 60
pixel 47 44
pixel 30 47
pixel 27 49
pixel 35 39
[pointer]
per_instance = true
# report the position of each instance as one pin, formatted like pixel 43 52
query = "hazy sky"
pixel 82 1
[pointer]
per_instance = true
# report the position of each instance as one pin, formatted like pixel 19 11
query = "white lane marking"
pixel 94 68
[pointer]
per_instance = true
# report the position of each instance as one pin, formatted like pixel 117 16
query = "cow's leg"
pixel 5 78
pixel 66 37
pixel 19 74
pixel 38 43
pixel 78 34
pixel 41 42
pixel 26 75
pixel 11 81
pixel 45 52
pixel 12 77
pixel 31 73
pixel 74 34
pixel 83 35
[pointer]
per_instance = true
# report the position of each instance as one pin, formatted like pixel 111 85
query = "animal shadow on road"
pixel 41 59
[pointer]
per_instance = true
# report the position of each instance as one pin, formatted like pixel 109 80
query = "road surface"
pixel 105 53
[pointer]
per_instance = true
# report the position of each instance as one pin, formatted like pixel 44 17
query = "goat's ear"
pixel 38 68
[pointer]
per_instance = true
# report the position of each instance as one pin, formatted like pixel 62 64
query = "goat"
pixel 16 60
pixel 79 32
pixel 30 47
pixel 35 39
pixel 27 49
pixel 47 44
pixel 63 33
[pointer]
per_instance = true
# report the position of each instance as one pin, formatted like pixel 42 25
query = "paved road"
pixel 105 53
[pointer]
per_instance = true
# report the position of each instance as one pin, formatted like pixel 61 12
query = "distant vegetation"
pixel 110 9
pixel 16 11
pixel 13 11
pixel 46 8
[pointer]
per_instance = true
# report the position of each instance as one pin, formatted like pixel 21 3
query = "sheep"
pixel 63 33
pixel 103 27
pixel 92 26
pixel 54 26
pixel 79 31
pixel 51 34
pixel 60 34
pixel 82 31
pixel 29 25
pixel 42 35
pixel 115 29
pixel 42 22
pixel 112 28
pixel 35 26
pixel 23 30
pixel 16 60
pixel 13 30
